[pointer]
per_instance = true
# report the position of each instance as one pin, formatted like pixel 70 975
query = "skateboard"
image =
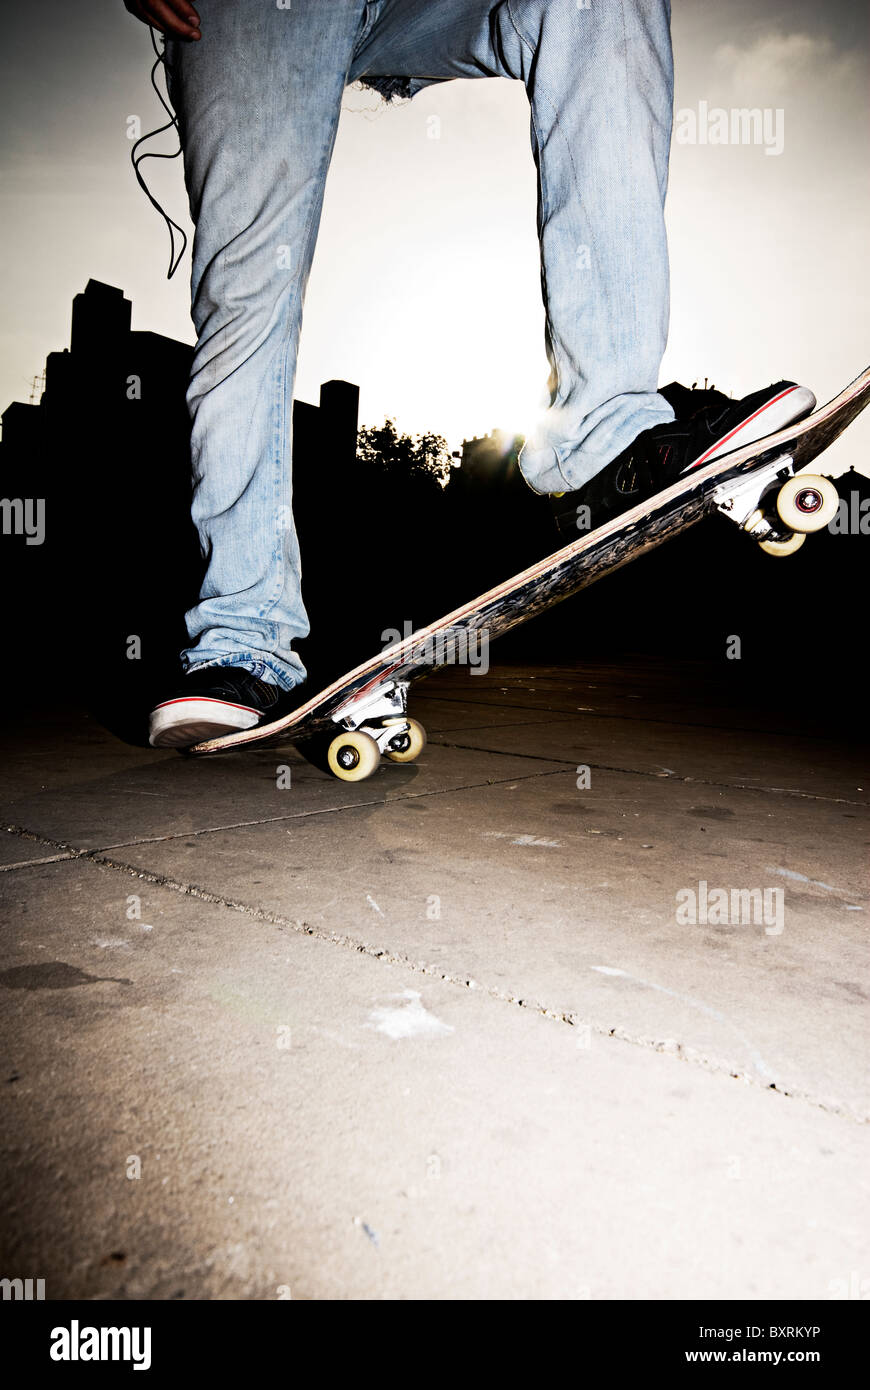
pixel 363 715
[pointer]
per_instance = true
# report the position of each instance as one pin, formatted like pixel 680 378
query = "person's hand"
pixel 174 17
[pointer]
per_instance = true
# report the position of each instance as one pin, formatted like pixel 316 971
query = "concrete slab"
pixel 517 1066
pixel 695 693
pixel 685 720
pixel 163 794
pixel 540 891
pixel 43 751
pixel 16 850
pixel 206 1105
pixel 713 755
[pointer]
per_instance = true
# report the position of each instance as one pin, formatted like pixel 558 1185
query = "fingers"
pixel 185 13
pixel 177 18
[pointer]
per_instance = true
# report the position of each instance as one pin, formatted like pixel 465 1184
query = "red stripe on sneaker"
pixel 206 700
pixel 743 423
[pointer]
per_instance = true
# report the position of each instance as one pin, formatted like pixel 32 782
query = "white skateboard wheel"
pixel 788 547
pixel 353 756
pixel 410 743
pixel 807 502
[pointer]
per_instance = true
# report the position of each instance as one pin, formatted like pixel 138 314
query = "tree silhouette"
pixel 410 456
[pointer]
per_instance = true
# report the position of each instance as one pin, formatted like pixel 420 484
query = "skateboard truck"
pixel 805 502
pixel 371 726
pixel 376 713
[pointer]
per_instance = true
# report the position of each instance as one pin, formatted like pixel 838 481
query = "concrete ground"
pixel 464 1030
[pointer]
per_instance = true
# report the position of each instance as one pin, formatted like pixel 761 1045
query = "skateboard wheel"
pixel 407 745
pixel 807 502
pixel 786 547
pixel 353 756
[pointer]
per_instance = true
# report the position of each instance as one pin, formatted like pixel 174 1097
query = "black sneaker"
pixel 216 700
pixel 660 455
pixel 686 401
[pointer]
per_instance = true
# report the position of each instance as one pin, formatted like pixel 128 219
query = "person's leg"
pixel 599 80
pixel 258 99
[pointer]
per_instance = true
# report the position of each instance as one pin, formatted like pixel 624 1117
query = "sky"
pixel 425 287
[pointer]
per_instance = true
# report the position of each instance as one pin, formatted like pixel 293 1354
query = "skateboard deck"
pixel 364 713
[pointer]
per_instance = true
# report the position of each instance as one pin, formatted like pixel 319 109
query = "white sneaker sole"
pixel 183 722
pixel 794 403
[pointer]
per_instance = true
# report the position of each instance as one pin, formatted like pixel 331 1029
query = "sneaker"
pixel 686 401
pixel 662 454
pixel 215 700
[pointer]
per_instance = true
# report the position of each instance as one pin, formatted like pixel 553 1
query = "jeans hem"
pixel 547 469
pixel 273 673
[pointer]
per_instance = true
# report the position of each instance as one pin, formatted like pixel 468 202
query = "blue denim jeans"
pixel 258 100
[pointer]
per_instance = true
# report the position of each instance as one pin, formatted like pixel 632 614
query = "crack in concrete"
pixel 638 772
pixel 670 1046
pixel 641 718
pixel 277 820
pixel 29 863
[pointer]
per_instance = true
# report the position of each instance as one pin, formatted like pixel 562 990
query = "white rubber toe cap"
pixel 183 722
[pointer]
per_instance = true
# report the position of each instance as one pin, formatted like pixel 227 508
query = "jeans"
pixel 258 101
